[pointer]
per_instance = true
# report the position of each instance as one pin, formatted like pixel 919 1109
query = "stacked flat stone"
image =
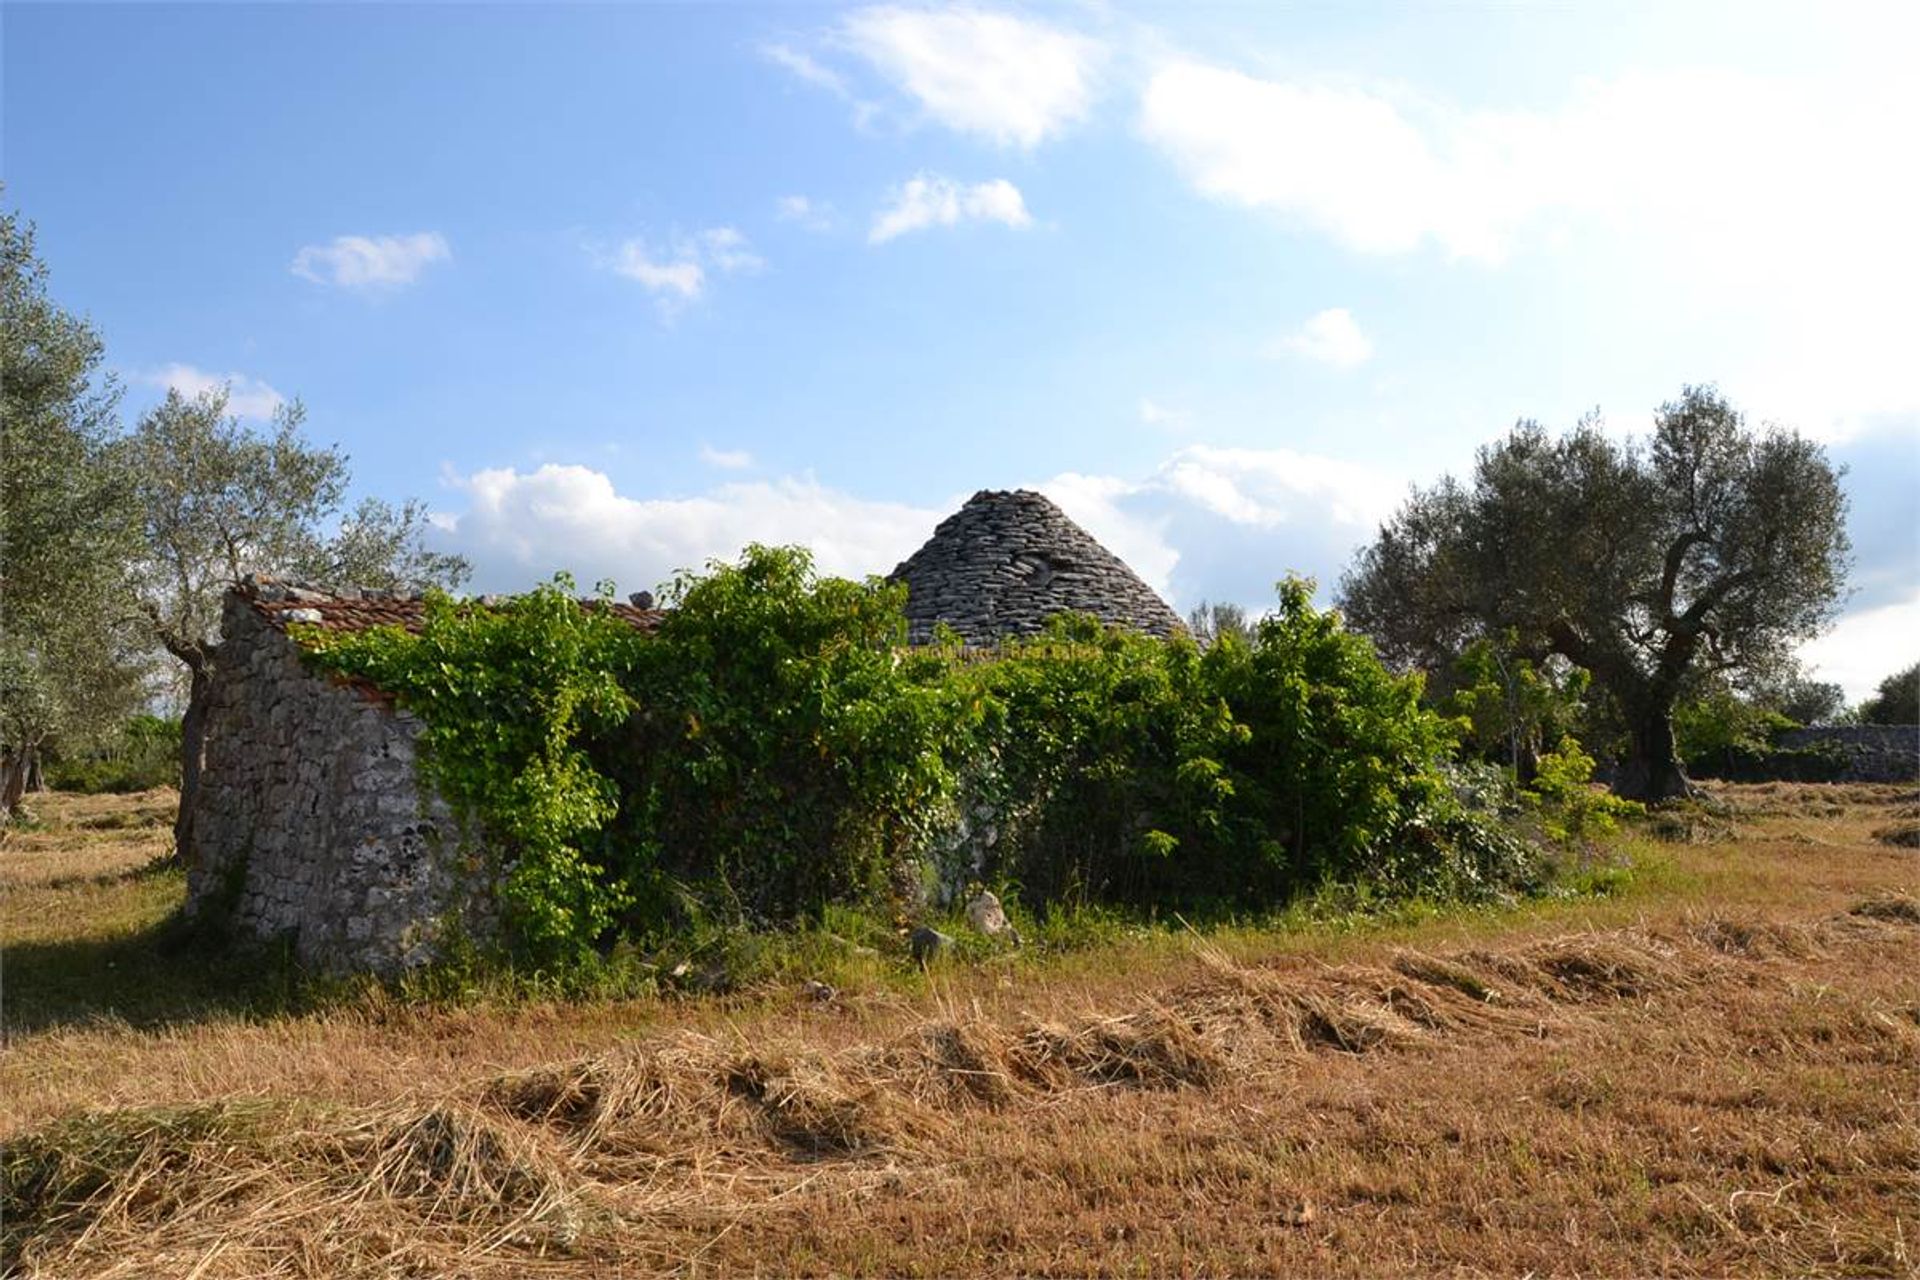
pixel 1009 560
pixel 1874 752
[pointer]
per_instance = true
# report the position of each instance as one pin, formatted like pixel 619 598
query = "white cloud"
pixel 1733 195
pixel 683 276
pixel 814 215
pixel 520 527
pixel 728 250
pixel 807 68
pixel 371 262
pixel 726 459
pixel 1225 523
pixel 1866 647
pixel 1012 81
pixel 678 274
pixel 930 200
pixel 1154 414
pixel 1331 338
pixel 246 397
pixel 1383 170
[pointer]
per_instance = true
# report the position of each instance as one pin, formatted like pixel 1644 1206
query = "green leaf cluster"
pixel 510 695
pixel 775 748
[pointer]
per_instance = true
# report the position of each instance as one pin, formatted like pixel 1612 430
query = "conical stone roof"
pixel 1007 561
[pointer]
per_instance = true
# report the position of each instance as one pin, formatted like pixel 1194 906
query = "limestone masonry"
pixel 1875 752
pixel 311 828
pixel 310 825
pixel 1007 561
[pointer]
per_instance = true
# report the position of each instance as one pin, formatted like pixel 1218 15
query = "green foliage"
pixel 1719 722
pixel 1709 547
pixel 1571 807
pixel 1143 771
pixel 508 694
pixel 1897 701
pixel 787 747
pixel 69 667
pixel 145 753
pixel 1512 706
pixel 774 752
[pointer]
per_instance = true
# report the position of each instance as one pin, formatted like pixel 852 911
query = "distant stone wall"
pixel 1875 752
pixel 310 825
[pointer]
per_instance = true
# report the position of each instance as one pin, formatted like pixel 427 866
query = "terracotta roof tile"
pixel 360 612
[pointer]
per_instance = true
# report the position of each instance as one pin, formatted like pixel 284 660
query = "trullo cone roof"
pixel 1008 560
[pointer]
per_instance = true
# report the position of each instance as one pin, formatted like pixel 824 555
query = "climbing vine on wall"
pixel 775 747
pixel 508 694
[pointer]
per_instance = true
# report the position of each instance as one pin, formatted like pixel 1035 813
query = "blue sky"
pixel 619 288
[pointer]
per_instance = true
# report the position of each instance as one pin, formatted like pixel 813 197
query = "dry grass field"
pixel 1714 1071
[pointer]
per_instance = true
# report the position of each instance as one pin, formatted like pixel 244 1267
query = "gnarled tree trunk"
pixel 1652 772
pixel 193 745
pixel 16 766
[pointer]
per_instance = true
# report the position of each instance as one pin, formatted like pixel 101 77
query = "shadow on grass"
pixel 164 973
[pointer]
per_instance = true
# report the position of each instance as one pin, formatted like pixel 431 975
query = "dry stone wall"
pixel 1874 752
pixel 1009 560
pixel 310 825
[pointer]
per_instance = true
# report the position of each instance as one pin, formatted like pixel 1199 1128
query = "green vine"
pixel 506 694
pixel 775 749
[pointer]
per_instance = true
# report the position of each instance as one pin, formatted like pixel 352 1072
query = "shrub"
pixel 143 755
pixel 1571 806
pixel 786 748
pixel 776 749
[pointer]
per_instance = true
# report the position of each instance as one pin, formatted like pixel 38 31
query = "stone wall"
pixel 1009 560
pixel 310 826
pixel 1875 752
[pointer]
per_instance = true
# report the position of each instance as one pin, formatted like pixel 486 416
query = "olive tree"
pixel 69 666
pixel 218 500
pixel 1709 548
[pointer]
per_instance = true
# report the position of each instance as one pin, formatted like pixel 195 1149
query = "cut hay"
pixel 1901 835
pixel 1607 966
pixel 1754 939
pixel 226 1190
pixel 1153 1048
pixel 601 1158
pixel 1896 907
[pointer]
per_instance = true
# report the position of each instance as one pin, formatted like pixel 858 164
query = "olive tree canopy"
pixel 218 500
pixel 1708 548
pixel 70 667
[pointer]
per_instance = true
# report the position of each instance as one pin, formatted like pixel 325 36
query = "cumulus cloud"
pixel 1740 194
pixel 1865 647
pixel 728 250
pixel 246 397
pixel 814 215
pixel 519 527
pixel 371 262
pixel 1012 81
pixel 726 459
pixel 677 272
pixel 1331 337
pixel 1226 524
pixel 1386 171
pixel 682 277
pixel 929 200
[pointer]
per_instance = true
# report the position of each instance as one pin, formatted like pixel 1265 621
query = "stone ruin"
pixel 1009 560
pixel 310 826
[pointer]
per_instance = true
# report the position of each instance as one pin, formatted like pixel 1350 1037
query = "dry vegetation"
pixel 1715 1071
